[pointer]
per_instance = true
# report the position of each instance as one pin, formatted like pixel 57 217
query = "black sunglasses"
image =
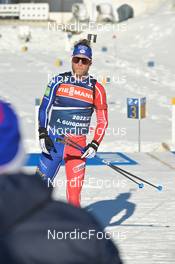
pixel 83 60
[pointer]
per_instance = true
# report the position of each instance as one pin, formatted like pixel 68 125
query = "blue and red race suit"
pixel 66 108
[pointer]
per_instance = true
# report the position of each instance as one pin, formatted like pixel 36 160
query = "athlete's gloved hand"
pixel 46 143
pixel 90 150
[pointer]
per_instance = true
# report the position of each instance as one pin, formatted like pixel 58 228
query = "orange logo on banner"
pixel 75 92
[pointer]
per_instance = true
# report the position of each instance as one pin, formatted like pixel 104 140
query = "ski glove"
pixel 46 143
pixel 90 150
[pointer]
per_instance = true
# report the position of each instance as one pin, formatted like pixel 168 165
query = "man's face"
pixel 80 65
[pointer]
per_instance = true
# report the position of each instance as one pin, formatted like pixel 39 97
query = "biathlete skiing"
pixel 66 109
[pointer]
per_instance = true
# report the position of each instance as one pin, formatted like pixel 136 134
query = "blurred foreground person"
pixel 34 229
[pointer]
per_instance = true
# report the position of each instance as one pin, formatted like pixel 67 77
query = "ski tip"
pixel 159 188
pixel 141 185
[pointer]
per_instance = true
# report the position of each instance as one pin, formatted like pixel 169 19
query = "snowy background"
pixel 130 46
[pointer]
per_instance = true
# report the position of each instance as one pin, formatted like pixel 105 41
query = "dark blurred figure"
pixel 34 229
pixel 125 12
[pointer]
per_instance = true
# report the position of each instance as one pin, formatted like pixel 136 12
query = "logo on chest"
pixel 75 92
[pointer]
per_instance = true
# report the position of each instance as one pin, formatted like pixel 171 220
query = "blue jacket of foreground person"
pixel 35 229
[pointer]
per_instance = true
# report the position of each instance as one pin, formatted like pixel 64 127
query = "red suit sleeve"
pixel 101 110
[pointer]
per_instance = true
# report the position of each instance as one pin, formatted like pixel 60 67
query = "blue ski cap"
pixel 82 50
pixel 10 137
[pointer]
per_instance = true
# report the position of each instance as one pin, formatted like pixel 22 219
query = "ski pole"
pixel 159 187
pixel 76 146
pixel 116 168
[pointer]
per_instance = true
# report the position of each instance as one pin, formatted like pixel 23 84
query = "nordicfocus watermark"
pixel 77 234
pixel 89 183
pixel 92 25
pixel 107 79
pixel 82 128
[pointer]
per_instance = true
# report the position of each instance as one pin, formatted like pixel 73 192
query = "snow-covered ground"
pixel 140 221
